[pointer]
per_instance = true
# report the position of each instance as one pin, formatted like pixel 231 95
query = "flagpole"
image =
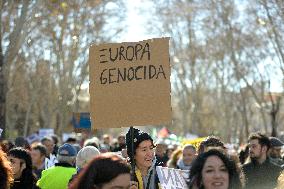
pixel 132 162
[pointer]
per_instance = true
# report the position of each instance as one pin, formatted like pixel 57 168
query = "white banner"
pixel 45 132
pixel 171 178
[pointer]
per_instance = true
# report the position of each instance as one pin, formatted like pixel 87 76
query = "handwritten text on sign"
pixel 131 53
pixel 130 83
pixel 171 178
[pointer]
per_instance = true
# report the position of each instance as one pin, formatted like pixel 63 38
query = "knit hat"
pixel 85 155
pixel 138 137
pixel 67 150
pixel 275 142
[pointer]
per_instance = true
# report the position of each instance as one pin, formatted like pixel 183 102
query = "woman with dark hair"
pixel 21 163
pixel 213 169
pixel 6 175
pixel 106 171
pixel 142 155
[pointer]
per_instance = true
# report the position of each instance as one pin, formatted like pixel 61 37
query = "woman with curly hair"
pixel 213 169
pixel 21 163
pixel 6 175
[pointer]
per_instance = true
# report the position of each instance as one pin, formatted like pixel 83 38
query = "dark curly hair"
pixel 210 141
pixel 195 177
pixel 101 170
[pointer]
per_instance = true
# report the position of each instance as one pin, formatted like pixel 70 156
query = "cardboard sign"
pixel 171 178
pixel 130 83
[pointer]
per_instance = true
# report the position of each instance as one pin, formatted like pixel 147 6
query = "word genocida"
pixel 132 55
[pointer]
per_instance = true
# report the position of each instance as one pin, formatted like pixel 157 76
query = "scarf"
pixel 149 179
pixel 182 166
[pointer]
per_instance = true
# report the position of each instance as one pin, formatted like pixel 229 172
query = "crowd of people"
pixel 100 164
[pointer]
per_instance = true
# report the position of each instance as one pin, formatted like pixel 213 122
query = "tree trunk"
pixel 273 123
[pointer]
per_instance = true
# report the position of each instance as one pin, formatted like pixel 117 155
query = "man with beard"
pixel 275 151
pixel 260 173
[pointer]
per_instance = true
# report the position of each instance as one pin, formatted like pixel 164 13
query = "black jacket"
pixel 261 176
pixel 19 184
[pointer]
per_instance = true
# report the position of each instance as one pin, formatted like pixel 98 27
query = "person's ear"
pixel 42 158
pixel 23 166
pixel 264 149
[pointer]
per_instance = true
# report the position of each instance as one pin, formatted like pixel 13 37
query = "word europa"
pixel 116 75
pixel 129 53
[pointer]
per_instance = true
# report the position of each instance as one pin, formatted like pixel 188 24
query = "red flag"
pixel 164 133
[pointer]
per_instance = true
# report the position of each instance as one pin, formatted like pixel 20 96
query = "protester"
pixel 50 159
pixel 6 173
pixel 92 142
pixel 213 169
pixel 172 163
pixel 7 145
pixel 106 145
pixel 211 142
pixel 161 152
pixel 22 142
pixel 38 155
pixel 71 140
pixel 120 144
pixel 260 172
pixel 275 151
pixel 188 155
pixel 170 150
pixel 244 154
pixel 55 141
pixel 21 163
pixel 106 171
pixel 144 159
pixel 61 173
pixel 85 155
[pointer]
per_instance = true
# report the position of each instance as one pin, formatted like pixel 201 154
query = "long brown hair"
pixel 6 174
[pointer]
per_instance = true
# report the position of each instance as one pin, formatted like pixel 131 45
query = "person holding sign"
pixel 214 170
pixel 143 157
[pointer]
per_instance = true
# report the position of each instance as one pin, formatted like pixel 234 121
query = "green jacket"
pixel 56 177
